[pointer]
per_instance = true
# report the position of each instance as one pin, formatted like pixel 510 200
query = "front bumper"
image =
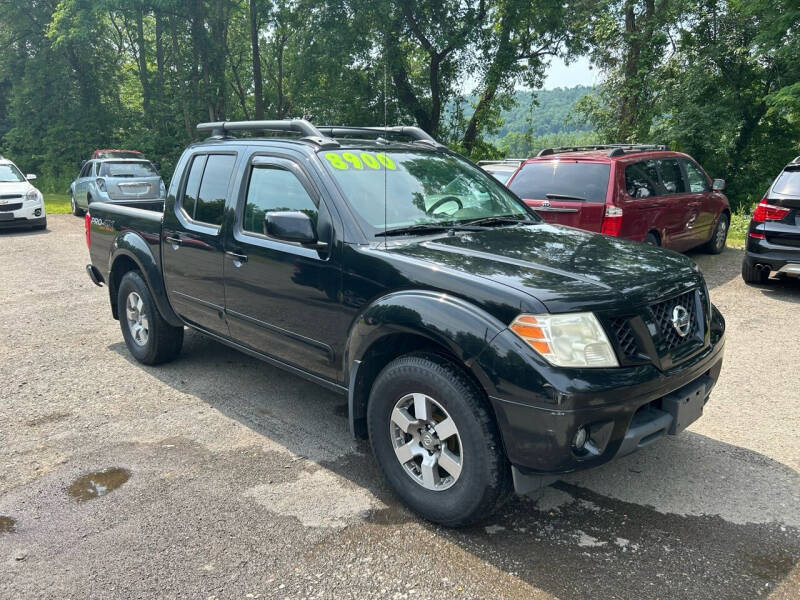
pixel 30 214
pixel 623 409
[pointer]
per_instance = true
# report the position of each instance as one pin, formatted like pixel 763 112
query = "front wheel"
pixel 148 336
pixel 717 242
pixel 436 441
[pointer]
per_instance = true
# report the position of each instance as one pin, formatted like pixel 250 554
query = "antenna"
pixel 385 135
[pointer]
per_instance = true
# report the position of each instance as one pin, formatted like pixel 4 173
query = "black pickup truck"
pixel 480 348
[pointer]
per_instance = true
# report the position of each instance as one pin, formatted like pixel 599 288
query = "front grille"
pixel 10 196
pixel 626 340
pixel 662 316
pixel 10 207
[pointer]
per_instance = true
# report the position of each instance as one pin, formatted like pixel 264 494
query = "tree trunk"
pixel 258 90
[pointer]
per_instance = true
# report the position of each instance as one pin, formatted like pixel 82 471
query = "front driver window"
pixel 641 179
pixel 273 189
pixel 671 176
pixel 697 179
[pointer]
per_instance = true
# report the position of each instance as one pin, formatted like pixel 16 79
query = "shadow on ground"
pixel 689 517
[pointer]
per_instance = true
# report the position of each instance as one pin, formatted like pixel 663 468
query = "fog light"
pixel 38 212
pixel 580 438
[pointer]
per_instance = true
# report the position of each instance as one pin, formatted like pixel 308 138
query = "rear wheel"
pixel 148 336
pixel 76 210
pixel 717 242
pixel 437 443
pixel 651 239
pixel 752 275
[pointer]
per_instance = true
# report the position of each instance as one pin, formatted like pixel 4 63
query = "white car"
pixel 21 204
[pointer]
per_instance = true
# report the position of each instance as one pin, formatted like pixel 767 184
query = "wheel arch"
pixel 133 254
pixel 414 321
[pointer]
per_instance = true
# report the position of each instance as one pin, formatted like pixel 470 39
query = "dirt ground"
pixel 236 480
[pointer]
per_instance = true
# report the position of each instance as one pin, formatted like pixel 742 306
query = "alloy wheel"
pixel 426 442
pixel 138 322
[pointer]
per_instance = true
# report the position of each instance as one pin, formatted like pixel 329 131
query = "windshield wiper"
pixel 486 221
pixel 565 197
pixel 421 228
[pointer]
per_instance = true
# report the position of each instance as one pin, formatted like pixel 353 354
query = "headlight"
pixel 32 195
pixel 567 340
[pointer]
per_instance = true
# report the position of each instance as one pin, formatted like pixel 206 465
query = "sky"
pixel 576 73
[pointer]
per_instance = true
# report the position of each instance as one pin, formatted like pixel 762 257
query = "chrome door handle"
pixel 238 259
pixel 175 241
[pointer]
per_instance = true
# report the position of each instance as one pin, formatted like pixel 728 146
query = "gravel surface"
pixel 223 477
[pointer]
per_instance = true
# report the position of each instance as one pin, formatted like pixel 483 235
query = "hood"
pixel 564 268
pixel 14 188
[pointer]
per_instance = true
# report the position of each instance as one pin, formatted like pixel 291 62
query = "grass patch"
pixel 57 204
pixel 737 233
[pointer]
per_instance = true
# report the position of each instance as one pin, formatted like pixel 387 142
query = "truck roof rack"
pixel 220 129
pixel 614 149
pixel 415 133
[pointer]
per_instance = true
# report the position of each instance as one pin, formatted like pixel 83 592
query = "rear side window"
pixel 207 187
pixel 788 183
pixel 562 180
pixel 697 179
pixel 274 189
pixel 641 179
pixel 671 176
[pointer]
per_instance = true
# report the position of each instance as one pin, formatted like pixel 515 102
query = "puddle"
pixel 99 483
pixel 7 524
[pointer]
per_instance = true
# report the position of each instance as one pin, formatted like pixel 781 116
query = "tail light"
pixel 101 184
pixel 87 225
pixel 612 220
pixel 769 212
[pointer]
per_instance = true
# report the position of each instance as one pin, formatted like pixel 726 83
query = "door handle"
pixel 175 241
pixel 238 259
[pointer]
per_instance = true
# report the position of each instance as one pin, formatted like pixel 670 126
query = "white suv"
pixel 21 204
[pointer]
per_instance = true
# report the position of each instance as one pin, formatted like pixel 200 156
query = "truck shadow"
pixel 687 517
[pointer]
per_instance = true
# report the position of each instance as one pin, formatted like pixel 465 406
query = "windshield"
pixel 421 188
pixel 562 180
pixel 127 169
pixel 9 173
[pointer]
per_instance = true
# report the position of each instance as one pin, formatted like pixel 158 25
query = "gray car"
pixel 129 181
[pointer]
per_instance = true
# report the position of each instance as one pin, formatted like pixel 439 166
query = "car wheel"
pixel 436 440
pixel 41 226
pixel 76 210
pixel 651 239
pixel 717 242
pixel 752 275
pixel 148 336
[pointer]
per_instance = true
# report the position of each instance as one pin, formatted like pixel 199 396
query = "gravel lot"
pixel 244 482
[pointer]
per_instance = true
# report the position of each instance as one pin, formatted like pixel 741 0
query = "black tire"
pixel 484 481
pixel 651 239
pixel 76 210
pixel 751 275
pixel 718 237
pixel 163 342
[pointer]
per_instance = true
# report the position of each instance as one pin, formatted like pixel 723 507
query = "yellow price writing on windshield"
pixel 351 160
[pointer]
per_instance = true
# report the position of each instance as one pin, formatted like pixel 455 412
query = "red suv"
pixel 643 193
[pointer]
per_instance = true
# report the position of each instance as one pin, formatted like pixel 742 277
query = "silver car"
pixel 129 181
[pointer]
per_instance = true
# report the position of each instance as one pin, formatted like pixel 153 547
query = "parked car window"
pixel 10 173
pixel 671 176
pixel 573 180
pixel 127 169
pixel 85 170
pixel 788 183
pixel 641 179
pixel 697 179
pixel 210 203
pixel 189 201
pixel 274 189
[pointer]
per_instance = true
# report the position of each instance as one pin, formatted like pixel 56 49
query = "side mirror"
pixel 290 226
pixel 30 176
pixel 718 185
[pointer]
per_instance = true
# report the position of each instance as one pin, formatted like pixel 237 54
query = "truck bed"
pixel 108 221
